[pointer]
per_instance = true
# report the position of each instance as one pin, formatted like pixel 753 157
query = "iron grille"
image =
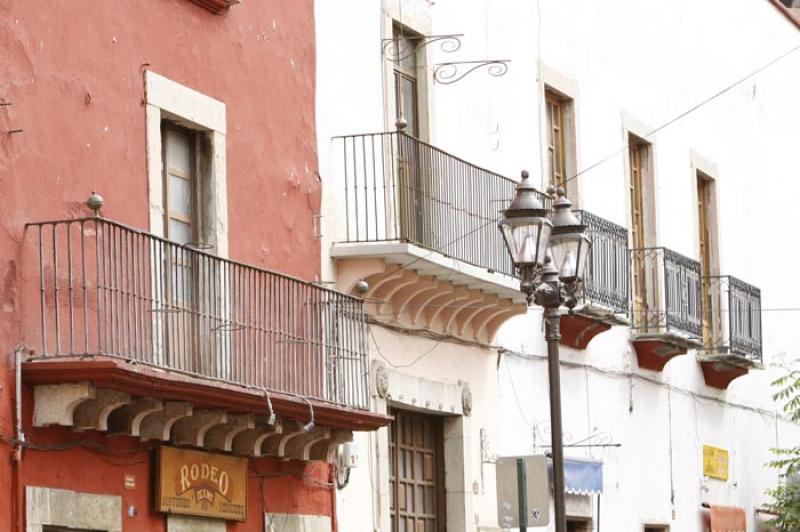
pixel 666 292
pixel 398 188
pixel 109 289
pixel 734 319
pixel 607 272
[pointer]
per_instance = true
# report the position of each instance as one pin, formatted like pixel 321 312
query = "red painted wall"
pixel 74 75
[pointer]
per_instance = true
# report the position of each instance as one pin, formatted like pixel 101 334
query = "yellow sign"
pixel 715 462
pixel 198 483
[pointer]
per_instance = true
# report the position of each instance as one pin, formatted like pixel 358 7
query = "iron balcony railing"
pixel 398 188
pixel 732 317
pixel 109 289
pixel 665 293
pixel 606 277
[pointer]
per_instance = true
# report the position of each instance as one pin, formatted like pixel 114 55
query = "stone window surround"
pixel 167 99
pixel 567 88
pixel 710 171
pixel 632 126
pixel 414 14
pixel 422 395
pixel 71 509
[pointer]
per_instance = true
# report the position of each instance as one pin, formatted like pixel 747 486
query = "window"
pixel 48 528
pixel 180 186
pixel 416 473
pixel 639 159
pixel 707 253
pixel 579 525
pixel 181 208
pixel 406 89
pixel 556 139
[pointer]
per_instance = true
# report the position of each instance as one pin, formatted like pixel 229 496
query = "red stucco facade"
pixel 73 121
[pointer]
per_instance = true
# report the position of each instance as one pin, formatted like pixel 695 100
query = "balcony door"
pixel 194 318
pixel 638 153
pixel 414 169
pixel 710 286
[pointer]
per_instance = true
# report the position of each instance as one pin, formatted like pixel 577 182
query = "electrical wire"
pixel 401 366
pixel 689 110
pixel 652 380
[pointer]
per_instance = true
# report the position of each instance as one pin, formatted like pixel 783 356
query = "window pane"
pixel 180 196
pixel 408 98
pixel 180 232
pixel 178 151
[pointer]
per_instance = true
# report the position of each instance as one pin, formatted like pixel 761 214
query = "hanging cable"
pixel 690 110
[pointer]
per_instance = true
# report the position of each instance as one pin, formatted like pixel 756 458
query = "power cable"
pixel 689 111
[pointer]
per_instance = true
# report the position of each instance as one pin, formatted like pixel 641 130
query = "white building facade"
pixel 673 128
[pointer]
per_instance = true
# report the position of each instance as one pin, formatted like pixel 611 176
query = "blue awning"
pixel 581 477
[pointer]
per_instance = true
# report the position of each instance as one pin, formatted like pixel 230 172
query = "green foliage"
pixel 786 497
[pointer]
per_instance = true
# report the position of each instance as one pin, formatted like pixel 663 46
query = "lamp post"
pixel 548 249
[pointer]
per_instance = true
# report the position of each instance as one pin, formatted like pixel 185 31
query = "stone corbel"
pixel 158 425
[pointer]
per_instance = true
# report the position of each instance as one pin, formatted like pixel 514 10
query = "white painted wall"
pixel 645 61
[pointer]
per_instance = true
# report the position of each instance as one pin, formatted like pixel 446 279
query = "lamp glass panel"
pixel 569 252
pixel 526 240
pixel 583 255
pixel 564 252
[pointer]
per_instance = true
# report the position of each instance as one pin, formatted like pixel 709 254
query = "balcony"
pixel 137 331
pixel 666 306
pixel 421 229
pixel 731 329
pixel 604 298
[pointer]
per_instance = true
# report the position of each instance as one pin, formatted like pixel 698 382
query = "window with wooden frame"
pixel 579 525
pixel 556 138
pixel 181 221
pixel 707 251
pixel 49 528
pixel 416 474
pixel 406 86
pixel 180 206
pixel 639 160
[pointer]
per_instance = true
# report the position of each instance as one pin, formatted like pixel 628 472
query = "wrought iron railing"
pixel 109 289
pixel 665 292
pixel 398 188
pixel 732 317
pixel 606 277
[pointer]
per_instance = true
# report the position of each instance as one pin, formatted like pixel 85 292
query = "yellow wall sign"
pixel 715 462
pixel 198 483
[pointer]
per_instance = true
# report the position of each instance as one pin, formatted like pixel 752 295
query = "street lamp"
pixel 548 249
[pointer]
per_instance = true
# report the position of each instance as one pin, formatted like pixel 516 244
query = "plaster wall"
pixel 631 66
pixel 429 376
pixel 74 78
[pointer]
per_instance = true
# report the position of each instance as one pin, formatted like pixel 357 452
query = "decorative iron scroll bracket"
pixel 393 51
pixel 449 73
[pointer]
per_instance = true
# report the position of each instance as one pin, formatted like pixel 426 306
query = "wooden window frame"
pixel 557 147
pixel 639 153
pixel 401 73
pixel 708 254
pixel 182 325
pixel 193 219
pixel 440 513
pixel 584 522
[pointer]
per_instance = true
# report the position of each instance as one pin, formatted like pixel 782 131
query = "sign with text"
pixel 198 483
pixel 715 462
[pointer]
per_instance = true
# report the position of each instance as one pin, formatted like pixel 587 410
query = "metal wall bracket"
pixel 449 73
pixel 393 51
